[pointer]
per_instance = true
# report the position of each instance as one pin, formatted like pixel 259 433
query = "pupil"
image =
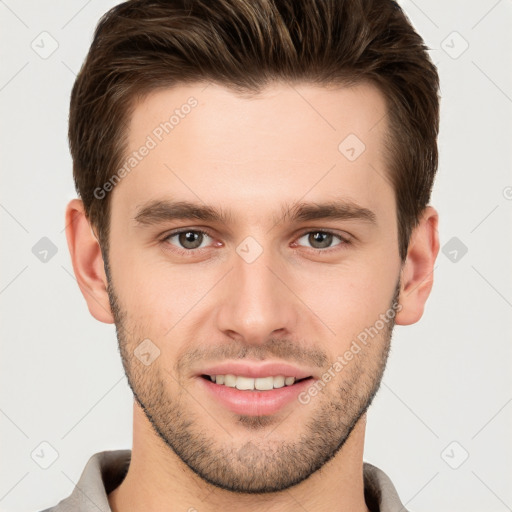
pixel 189 239
pixel 324 239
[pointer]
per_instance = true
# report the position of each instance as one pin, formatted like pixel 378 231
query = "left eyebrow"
pixel 336 210
pixel 159 211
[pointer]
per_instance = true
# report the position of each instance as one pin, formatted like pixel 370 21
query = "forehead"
pixel 204 143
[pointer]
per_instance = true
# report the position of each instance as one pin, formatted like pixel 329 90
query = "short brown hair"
pixel 143 45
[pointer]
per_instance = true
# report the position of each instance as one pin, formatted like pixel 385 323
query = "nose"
pixel 257 302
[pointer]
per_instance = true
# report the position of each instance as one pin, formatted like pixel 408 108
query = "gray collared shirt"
pixel 104 471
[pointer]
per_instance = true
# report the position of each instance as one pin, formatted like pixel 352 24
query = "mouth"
pixel 254 396
pixel 254 384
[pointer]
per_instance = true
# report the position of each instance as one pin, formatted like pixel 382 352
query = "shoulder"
pixel 379 492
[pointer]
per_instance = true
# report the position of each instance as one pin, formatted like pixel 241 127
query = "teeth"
pixel 229 380
pixel 248 383
pixel 244 383
pixel 264 383
pixel 279 381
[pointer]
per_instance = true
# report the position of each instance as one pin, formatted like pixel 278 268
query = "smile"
pixel 250 383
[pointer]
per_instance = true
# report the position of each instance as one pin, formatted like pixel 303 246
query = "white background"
pixel 449 377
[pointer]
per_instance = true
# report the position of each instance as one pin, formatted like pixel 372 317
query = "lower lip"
pixel 255 403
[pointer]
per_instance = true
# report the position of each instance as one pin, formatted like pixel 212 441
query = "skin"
pixel 250 155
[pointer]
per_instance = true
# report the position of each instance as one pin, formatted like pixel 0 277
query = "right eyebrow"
pixel 158 211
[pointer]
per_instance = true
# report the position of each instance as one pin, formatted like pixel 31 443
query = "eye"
pixel 323 239
pixel 188 239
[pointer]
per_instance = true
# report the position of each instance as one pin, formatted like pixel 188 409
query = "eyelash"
pixel 192 252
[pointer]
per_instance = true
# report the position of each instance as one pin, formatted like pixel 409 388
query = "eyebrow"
pixel 163 210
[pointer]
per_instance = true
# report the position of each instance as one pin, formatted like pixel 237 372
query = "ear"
pixel 87 262
pixel 417 275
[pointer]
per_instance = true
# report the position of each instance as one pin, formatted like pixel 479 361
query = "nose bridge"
pixel 256 303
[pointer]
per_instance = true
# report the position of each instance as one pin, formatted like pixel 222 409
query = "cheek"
pixel 349 297
pixel 162 300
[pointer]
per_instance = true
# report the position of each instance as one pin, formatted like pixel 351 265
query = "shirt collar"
pixel 106 470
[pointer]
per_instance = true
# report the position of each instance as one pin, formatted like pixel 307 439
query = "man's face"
pixel 260 285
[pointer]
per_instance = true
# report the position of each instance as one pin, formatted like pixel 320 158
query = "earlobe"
pixel 87 262
pixel 417 276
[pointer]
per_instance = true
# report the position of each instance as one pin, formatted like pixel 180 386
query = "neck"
pixel 157 479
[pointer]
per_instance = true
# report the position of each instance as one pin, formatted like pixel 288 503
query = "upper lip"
pixel 248 369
